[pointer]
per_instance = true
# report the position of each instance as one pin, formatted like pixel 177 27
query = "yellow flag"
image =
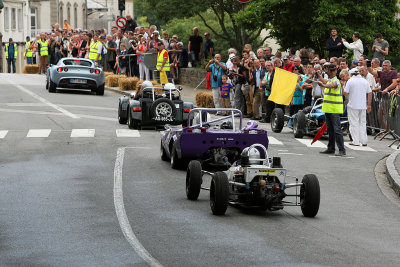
pixel 283 87
pixel 163 77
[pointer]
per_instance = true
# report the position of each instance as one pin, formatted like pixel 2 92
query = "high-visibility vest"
pixel 44 48
pixel 15 50
pixel 333 98
pixel 160 60
pixel 28 52
pixel 93 50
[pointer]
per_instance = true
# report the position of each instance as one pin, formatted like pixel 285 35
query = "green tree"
pixel 224 13
pixel 307 23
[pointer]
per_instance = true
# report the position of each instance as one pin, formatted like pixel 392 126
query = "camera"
pixel 215 78
pixel 368 63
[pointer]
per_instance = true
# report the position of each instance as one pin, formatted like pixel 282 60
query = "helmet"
pixel 169 86
pixel 251 125
pixel 146 84
pixel 252 154
pixel 227 125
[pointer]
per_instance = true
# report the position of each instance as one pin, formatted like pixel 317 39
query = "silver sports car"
pixel 77 73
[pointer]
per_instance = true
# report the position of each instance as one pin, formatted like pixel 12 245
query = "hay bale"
pixel 204 100
pixel 31 69
pixel 127 84
pixel 108 74
pixel 112 80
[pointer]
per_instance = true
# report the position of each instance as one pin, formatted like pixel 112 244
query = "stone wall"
pixel 192 77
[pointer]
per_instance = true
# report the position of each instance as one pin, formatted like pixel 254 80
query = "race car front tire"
pixel 277 120
pixel 299 123
pixel 193 180
pixel 176 163
pixel 309 195
pixel 100 90
pixel 161 103
pixel 52 86
pixel 121 119
pixel 219 193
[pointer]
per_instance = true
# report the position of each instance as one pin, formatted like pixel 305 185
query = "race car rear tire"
pixel 163 103
pixel 193 180
pixel 100 90
pixel 52 86
pixel 132 123
pixel 47 82
pixel 176 163
pixel 164 156
pixel 299 123
pixel 121 120
pixel 309 195
pixel 277 120
pixel 219 193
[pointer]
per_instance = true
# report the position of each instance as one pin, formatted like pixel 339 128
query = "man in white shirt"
pixel 356 45
pixel 368 76
pixel 357 89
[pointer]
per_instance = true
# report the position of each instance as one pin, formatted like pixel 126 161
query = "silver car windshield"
pixel 77 62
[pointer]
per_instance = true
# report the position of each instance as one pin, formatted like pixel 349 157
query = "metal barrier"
pixel 379 123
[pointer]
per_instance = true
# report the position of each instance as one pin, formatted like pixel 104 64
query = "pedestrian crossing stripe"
pixel 76 133
pixel 359 148
pixel 274 141
pixel 307 142
pixel 127 133
pixel 3 134
pixel 39 133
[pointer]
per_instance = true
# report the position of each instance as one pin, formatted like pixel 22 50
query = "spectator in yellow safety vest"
pixel 11 54
pixel 28 51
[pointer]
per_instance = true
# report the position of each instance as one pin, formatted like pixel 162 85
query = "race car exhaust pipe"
pixel 238 184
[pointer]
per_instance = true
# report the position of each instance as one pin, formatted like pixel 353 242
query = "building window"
pixel 6 18
pixel 20 21
pixel 69 13
pixel 13 19
pixel 33 22
pixel 75 17
pixel 61 15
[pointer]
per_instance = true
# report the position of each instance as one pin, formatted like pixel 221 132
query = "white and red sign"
pixel 121 22
pixel 244 1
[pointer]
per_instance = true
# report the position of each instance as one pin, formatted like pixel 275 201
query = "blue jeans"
pixel 29 60
pixel 194 56
pixel 335 132
pixel 9 61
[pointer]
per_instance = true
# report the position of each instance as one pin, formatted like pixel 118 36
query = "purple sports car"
pixel 215 143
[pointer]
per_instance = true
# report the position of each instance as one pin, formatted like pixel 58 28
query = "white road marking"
pixel 127 133
pixel 97 117
pixel 307 142
pixel 41 99
pixel 283 150
pixel 295 154
pixel 82 133
pixel 121 213
pixel 38 133
pixel 274 141
pixel 359 148
pixel 3 134
pixel 31 112
pixel 18 104
pixel 345 157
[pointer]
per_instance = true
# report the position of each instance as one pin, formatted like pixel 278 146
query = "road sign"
pixel 244 1
pixel 121 22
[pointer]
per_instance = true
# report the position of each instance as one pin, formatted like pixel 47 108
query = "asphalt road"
pixel 108 200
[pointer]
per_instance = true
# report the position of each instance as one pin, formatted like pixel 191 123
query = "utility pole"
pixel 1 41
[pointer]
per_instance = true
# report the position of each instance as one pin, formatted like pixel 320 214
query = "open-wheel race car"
pixel 254 181
pixel 305 122
pixel 215 143
pixel 75 73
pixel 150 109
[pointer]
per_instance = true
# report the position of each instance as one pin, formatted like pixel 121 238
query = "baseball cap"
pixel 354 71
pixel 355 62
pixel 10 39
pixel 103 37
pixel 326 64
pixel 156 32
pixel 316 58
pixel 331 67
pixel 286 57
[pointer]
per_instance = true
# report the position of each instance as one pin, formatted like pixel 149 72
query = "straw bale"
pixel 127 84
pixel 108 74
pixel 30 69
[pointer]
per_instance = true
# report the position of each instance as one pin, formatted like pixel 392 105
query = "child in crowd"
pixel 225 89
pixel 122 60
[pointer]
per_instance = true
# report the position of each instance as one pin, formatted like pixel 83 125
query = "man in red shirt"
pixel 287 64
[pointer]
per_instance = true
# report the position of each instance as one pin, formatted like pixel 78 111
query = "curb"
pixel 392 174
pixel 116 91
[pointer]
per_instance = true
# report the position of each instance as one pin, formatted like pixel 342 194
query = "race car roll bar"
pixel 234 113
pixel 161 88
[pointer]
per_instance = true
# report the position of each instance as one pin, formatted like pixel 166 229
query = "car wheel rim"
pixel 295 125
pixel 164 110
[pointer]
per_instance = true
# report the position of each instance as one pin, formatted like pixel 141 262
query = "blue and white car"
pixel 75 73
